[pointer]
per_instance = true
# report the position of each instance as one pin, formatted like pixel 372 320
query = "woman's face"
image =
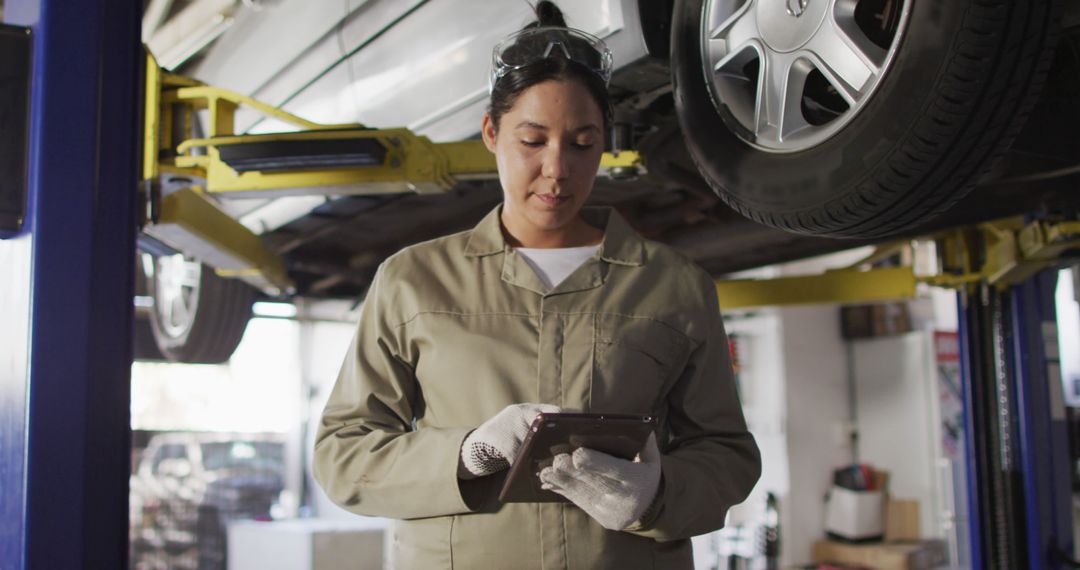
pixel 547 148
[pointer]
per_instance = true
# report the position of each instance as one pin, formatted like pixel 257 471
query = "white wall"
pixel 897 418
pixel 219 397
pixel 1068 315
pixel 325 346
pixel 761 390
pixel 816 372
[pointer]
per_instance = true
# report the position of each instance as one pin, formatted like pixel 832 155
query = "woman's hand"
pixel 614 491
pixel 491 447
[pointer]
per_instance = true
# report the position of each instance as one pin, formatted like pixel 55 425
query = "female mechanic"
pixel 545 305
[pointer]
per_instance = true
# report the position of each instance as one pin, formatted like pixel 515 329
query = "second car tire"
pixel 217 311
pixel 957 91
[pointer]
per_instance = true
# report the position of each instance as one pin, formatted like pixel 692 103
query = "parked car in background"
pixel 188 486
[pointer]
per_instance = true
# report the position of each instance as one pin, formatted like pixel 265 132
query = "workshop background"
pixel 189 226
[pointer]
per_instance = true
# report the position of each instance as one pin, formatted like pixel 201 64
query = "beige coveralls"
pixel 455 329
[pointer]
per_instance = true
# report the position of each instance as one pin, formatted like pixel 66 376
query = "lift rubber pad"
pixel 276 156
pixel 14 118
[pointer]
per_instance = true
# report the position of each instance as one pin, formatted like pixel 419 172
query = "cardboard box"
pixel 921 555
pixel 881 480
pixel 902 520
pixel 868 321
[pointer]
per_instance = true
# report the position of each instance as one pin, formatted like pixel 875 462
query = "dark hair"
pixel 514 83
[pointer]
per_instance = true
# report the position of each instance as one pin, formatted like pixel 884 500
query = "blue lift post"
pixel 1019 484
pixel 1043 443
pixel 66 285
pixel 970 368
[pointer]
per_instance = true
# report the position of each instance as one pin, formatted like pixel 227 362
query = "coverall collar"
pixel 621 246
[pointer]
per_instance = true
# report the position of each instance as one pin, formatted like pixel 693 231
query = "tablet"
pixel 620 435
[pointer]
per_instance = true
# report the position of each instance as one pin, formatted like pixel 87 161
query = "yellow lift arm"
pixel 317 159
pixel 1001 253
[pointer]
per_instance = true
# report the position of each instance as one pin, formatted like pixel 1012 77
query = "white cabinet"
pixel 308 544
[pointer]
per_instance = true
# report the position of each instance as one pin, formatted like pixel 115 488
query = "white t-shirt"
pixel 553 265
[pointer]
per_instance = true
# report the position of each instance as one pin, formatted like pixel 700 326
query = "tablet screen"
pixel 620 435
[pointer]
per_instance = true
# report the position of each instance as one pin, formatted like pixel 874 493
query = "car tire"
pixel 198 317
pixel 957 85
pixel 145 345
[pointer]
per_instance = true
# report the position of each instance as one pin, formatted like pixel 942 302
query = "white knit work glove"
pixel 616 492
pixel 491 447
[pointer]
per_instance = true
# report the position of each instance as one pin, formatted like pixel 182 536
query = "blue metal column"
pixel 1019 484
pixel 65 293
pixel 968 358
pixel 1044 452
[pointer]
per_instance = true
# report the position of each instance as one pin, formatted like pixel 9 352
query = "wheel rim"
pixel 176 293
pixel 786 75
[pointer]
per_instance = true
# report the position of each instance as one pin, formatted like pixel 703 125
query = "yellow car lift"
pixel 1001 253
pixel 348 159
pixel 318 159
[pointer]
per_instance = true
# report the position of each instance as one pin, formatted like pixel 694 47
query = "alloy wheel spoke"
pixel 847 59
pixel 778 110
pixel 733 33
pixel 180 313
pixel 166 311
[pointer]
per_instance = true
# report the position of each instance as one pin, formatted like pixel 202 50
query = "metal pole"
pixel 68 286
pixel 968 370
pixel 1043 437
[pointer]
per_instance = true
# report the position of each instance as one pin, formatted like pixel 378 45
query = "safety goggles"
pixel 536 44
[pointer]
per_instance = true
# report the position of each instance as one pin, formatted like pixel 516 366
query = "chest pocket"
pixel 635 361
